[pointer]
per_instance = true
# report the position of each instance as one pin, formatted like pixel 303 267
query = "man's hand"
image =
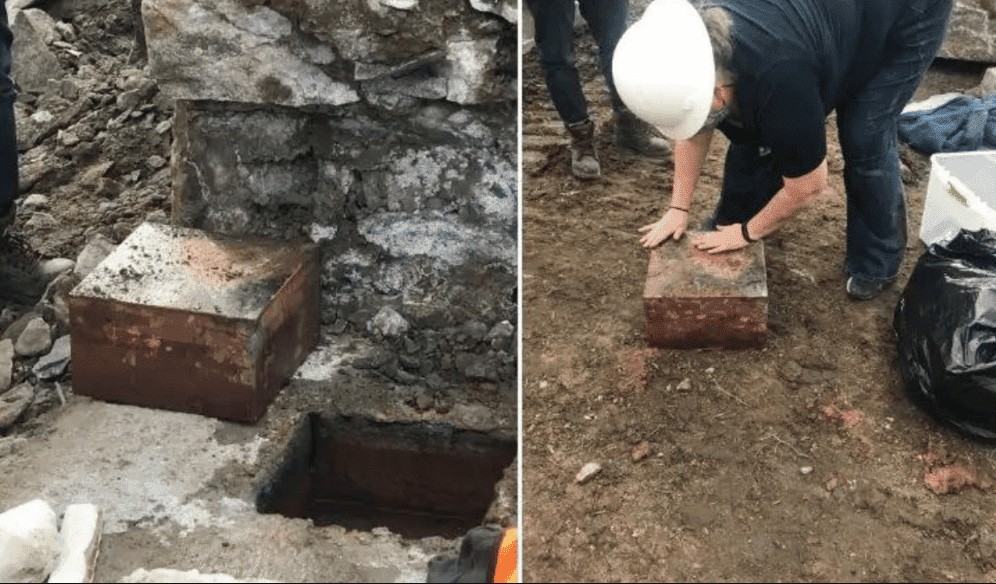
pixel 672 224
pixel 725 238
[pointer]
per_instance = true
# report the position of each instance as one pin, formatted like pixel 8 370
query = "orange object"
pixel 506 561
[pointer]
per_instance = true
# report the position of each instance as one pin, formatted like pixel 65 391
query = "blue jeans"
pixel 555 41
pixel 866 124
pixel 8 131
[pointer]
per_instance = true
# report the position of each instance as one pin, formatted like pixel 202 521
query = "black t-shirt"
pixel 796 60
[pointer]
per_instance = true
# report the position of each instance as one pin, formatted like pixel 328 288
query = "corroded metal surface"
pixel 183 320
pixel 697 300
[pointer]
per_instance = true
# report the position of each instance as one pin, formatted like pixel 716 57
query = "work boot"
pixel 634 134
pixel 861 289
pixel 7 213
pixel 584 157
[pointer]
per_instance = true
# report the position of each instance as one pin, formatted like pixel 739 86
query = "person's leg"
pixel 8 139
pixel 554 21
pixel 607 20
pixel 555 42
pixel 750 180
pixel 876 204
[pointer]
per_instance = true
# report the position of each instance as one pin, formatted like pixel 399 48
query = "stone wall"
pixel 386 131
pixel 971 34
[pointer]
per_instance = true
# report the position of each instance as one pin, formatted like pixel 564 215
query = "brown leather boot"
pixel 634 134
pixel 584 157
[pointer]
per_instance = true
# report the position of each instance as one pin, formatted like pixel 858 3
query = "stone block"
pixel 697 300
pixel 79 541
pixel 307 53
pixel 183 320
pixel 971 32
pixel 33 62
pixel 29 542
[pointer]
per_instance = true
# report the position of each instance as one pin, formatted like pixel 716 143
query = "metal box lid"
pixel 679 270
pixel 191 270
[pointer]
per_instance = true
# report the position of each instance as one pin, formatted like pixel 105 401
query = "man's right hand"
pixel 672 224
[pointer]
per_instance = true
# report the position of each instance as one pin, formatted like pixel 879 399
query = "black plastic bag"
pixel 945 324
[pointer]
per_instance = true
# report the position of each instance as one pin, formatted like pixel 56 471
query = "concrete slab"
pixel 697 300
pixel 178 490
pixel 184 320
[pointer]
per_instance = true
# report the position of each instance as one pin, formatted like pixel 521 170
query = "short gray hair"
pixel 719 25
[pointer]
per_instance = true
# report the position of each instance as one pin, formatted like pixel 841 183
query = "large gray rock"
pixel 95 251
pixel 33 62
pixel 225 50
pixel 971 34
pixel 55 362
pixel 13 403
pixel 315 52
pixel 29 542
pixel 35 340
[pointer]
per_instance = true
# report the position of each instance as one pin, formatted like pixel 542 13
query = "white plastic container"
pixel 961 194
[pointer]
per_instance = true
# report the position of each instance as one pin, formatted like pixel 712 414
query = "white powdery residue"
pixel 350 258
pixel 404 237
pixel 194 514
pixel 332 353
pixel 322 232
pixel 421 170
pixel 501 180
pixel 245 453
pixel 321 364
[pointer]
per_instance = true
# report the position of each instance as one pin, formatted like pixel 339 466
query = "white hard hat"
pixel 663 68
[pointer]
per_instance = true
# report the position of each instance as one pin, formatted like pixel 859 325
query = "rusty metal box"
pixel 183 320
pixel 697 300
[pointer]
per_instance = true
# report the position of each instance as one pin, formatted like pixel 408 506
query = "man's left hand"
pixel 725 238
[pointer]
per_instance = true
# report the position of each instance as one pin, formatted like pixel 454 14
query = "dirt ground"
pixel 801 461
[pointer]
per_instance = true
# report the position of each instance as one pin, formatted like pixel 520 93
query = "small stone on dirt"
pixel 792 371
pixel 35 340
pixel 640 451
pixel 806 470
pixel 954 479
pixel 587 472
pixel 685 384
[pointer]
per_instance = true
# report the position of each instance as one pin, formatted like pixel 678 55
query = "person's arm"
pixel 795 194
pixel 689 156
